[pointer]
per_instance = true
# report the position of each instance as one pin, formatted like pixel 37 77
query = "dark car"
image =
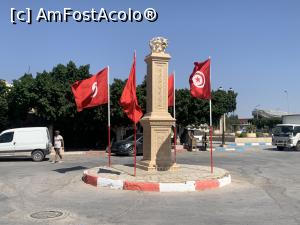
pixel 125 147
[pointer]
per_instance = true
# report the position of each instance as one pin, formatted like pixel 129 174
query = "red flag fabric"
pixel 128 100
pixel 92 91
pixel 171 90
pixel 200 80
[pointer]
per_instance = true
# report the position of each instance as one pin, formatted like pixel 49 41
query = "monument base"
pixel 150 166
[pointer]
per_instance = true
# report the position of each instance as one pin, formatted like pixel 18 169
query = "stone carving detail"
pixel 159 94
pixel 158 44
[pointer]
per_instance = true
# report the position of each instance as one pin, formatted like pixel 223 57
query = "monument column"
pixel 157 122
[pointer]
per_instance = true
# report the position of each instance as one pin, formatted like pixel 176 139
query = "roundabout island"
pixel 157 170
pixel 186 178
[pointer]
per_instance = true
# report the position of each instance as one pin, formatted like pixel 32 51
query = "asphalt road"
pixel 265 190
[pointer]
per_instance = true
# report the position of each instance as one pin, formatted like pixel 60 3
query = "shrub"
pixel 242 135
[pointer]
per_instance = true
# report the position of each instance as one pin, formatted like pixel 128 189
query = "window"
pixel 7 137
pixel 296 130
pixel 284 131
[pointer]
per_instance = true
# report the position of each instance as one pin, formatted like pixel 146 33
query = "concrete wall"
pixel 253 140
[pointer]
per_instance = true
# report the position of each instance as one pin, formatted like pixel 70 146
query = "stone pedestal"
pixel 157 122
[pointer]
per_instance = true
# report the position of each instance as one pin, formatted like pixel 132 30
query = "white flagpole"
pixel 108 120
pixel 210 123
pixel 134 131
pixel 174 114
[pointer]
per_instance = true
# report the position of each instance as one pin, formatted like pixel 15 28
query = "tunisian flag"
pixel 92 91
pixel 128 100
pixel 200 80
pixel 171 90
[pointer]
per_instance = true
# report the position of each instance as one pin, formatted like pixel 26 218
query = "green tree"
pixel 47 100
pixel 55 100
pixel 195 111
pixel 223 102
pixel 141 93
pixel 266 123
pixel 3 105
pixel 49 95
pixel 118 118
pixel 21 99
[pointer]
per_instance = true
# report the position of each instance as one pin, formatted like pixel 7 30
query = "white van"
pixel 30 141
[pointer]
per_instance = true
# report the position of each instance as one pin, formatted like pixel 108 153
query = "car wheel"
pixel 37 156
pixel 298 146
pixel 130 151
pixel 280 148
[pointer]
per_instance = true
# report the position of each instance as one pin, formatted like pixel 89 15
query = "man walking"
pixel 58 145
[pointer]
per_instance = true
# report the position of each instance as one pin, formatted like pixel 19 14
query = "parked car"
pixel 125 147
pixel 30 141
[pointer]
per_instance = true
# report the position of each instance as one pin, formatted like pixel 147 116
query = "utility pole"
pixel 223 130
pixel 287 100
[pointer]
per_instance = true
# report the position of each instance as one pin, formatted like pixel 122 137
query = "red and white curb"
pixel 187 186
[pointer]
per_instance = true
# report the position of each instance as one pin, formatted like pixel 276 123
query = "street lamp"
pixel 287 100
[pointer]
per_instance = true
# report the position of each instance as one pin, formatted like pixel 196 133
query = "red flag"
pixel 128 100
pixel 171 90
pixel 92 91
pixel 200 80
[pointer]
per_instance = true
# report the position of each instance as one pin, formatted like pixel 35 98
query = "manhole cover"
pixel 46 214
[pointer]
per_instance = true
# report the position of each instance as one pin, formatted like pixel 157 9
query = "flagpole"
pixel 134 130
pixel 108 120
pixel 134 150
pixel 210 124
pixel 174 115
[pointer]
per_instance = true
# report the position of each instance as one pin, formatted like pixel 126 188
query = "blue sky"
pixel 254 45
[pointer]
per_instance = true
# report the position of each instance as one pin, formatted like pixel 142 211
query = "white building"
pixel 268 113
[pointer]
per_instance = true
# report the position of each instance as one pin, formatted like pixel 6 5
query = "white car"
pixel 30 141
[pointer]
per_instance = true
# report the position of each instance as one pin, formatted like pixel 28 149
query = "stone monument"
pixel 157 122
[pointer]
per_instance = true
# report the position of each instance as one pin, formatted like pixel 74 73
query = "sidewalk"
pixel 232 146
pixel 240 146
pixel 88 153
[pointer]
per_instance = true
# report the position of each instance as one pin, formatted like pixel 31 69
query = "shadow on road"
pixel 101 170
pixel 70 169
pixel 17 159
pixel 284 150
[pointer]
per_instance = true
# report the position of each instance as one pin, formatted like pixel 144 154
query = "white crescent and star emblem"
pixel 94 89
pixel 199 79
